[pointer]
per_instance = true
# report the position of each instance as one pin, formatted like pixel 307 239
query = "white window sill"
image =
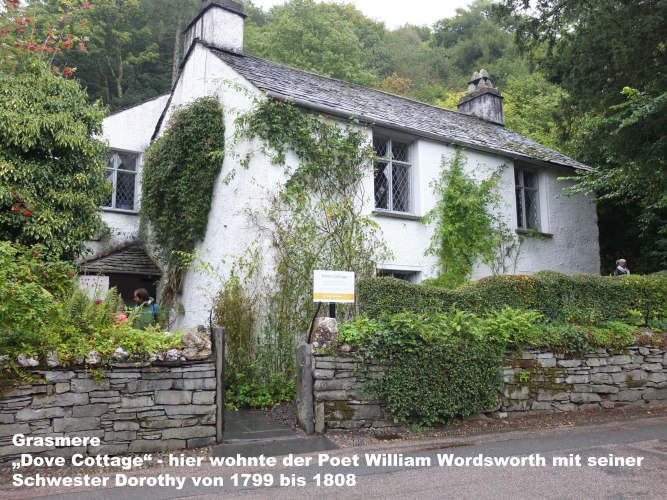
pixel 530 232
pixel 396 215
pixel 120 211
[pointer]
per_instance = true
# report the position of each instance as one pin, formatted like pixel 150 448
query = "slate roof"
pixel 388 110
pixel 131 260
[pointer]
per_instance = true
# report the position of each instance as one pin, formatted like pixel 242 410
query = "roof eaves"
pixel 420 133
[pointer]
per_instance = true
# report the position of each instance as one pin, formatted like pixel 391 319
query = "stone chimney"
pixel 219 23
pixel 482 99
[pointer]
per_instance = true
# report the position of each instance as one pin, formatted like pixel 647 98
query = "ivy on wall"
pixel 315 220
pixel 468 227
pixel 177 185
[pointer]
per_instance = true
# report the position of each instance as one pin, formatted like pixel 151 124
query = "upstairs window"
pixel 122 175
pixel 527 199
pixel 393 175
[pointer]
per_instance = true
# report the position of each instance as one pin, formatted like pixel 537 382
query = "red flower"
pixel 27 213
pixel 82 46
pixel 21 30
pixel 27 19
pixel 17 44
pixel 14 193
pixel 99 301
pixel 70 274
pixel 86 5
pixel 68 72
pixel 67 43
pixel 83 24
pixel 15 209
pixel 20 22
pixel 32 47
pixel 61 20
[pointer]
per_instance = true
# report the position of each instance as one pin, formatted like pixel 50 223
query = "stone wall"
pixel 542 382
pixel 339 400
pixel 132 407
pixel 536 382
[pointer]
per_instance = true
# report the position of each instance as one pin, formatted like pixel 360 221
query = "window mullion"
pixel 114 178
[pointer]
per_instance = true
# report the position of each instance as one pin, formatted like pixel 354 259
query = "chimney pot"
pixel 482 99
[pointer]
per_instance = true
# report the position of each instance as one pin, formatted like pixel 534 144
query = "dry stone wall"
pixel 339 398
pixel 132 408
pixel 539 381
pixel 173 402
pixel 536 382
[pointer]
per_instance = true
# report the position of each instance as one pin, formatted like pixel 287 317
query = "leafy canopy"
pixel 51 165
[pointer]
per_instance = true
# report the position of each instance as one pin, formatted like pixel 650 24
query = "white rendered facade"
pixel 571 223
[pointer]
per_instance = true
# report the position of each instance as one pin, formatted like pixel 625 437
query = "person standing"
pixel 147 308
pixel 621 268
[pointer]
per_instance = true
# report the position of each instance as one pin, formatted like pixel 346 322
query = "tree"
pixel 310 36
pixel 533 108
pixel 51 165
pixel 610 58
pixel 31 37
pixel 476 38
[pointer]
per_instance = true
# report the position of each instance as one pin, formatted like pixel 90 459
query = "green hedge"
pixel 442 381
pixel 558 296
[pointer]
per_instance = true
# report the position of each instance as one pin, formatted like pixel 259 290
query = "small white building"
pixel 417 135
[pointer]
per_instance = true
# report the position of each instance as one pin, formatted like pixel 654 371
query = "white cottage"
pixel 417 135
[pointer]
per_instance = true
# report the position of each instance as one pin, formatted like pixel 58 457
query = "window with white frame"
pixel 527 199
pixel 409 276
pixel 393 175
pixel 122 175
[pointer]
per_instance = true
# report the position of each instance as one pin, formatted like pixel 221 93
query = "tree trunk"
pixel 177 46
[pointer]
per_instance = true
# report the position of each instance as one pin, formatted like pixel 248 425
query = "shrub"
pixel 580 298
pixel 445 380
pixel 31 282
pixel 442 366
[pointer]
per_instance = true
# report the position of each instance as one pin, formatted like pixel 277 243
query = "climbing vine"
pixel 468 228
pixel 316 219
pixel 177 185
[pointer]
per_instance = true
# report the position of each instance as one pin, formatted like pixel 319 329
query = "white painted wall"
pixel 572 221
pixel 129 130
pixel 132 128
pixel 229 234
pixel 573 248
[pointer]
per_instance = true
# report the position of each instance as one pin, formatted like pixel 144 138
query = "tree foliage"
pixel 312 36
pixel 610 58
pixel 51 163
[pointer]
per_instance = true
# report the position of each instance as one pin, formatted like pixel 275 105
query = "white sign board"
pixel 333 286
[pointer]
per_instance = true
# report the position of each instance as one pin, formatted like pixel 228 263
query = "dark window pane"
pixel 531 210
pixel 111 160
pixel 400 192
pixel 517 177
pixel 380 146
pixel 400 151
pixel 382 186
pixel 403 276
pixel 530 179
pixel 125 191
pixel 128 162
pixel 519 208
